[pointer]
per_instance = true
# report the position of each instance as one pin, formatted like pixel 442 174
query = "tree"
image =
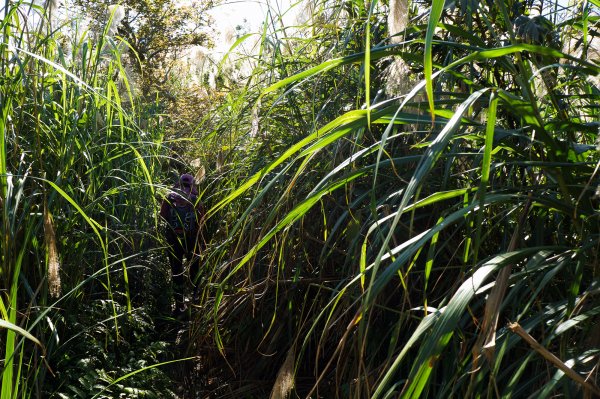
pixel 156 31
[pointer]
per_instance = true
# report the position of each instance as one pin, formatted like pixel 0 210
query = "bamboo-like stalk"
pixel 552 358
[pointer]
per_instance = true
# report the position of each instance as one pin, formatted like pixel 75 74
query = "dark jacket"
pixel 181 198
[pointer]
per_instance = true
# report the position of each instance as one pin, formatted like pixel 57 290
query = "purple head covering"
pixel 186 180
pixel 186 183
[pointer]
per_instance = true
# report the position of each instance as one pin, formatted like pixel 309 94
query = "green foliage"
pixel 77 202
pixel 89 364
pixel 157 33
pixel 368 237
pixel 362 243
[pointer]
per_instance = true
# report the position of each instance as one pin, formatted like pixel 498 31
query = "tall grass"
pixel 438 242
pixel 77 198
pixel 384 245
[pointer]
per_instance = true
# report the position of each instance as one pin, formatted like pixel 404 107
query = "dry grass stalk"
pixel 486 342
pixel 549 356
pixel 53 263
pixel 200 170
pixel 285 377
pixel 397 19
pixel 398 72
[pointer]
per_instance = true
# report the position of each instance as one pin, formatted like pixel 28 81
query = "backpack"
pixel 182 216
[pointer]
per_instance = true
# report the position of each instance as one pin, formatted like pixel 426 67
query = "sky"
pixel 232 14
pixel 249 15
pixel 239 12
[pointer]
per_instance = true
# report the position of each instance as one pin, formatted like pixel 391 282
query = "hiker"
pixel 182 210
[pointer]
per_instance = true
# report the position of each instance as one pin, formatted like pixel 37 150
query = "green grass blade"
pixel 429 264
pixel 437 7
pixel 10 387
pixel 423 169
pixel 450 316
pixel 485 169
pixel 298 212
pixel 6 106
pixel 237 43
pixel 96 227
pixel 10 326
pixel 368 62
pixel 348 119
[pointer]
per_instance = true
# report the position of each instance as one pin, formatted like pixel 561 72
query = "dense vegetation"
pixel 400 199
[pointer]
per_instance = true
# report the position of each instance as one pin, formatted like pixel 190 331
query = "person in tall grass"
pixel 183 212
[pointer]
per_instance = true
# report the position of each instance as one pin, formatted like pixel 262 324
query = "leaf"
pixel 437 7
pixel 13 327
pixel 485 169
pixel 444 327
pixel 238 42
pixel 290 218
pixel 423 169
pixel 131 374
